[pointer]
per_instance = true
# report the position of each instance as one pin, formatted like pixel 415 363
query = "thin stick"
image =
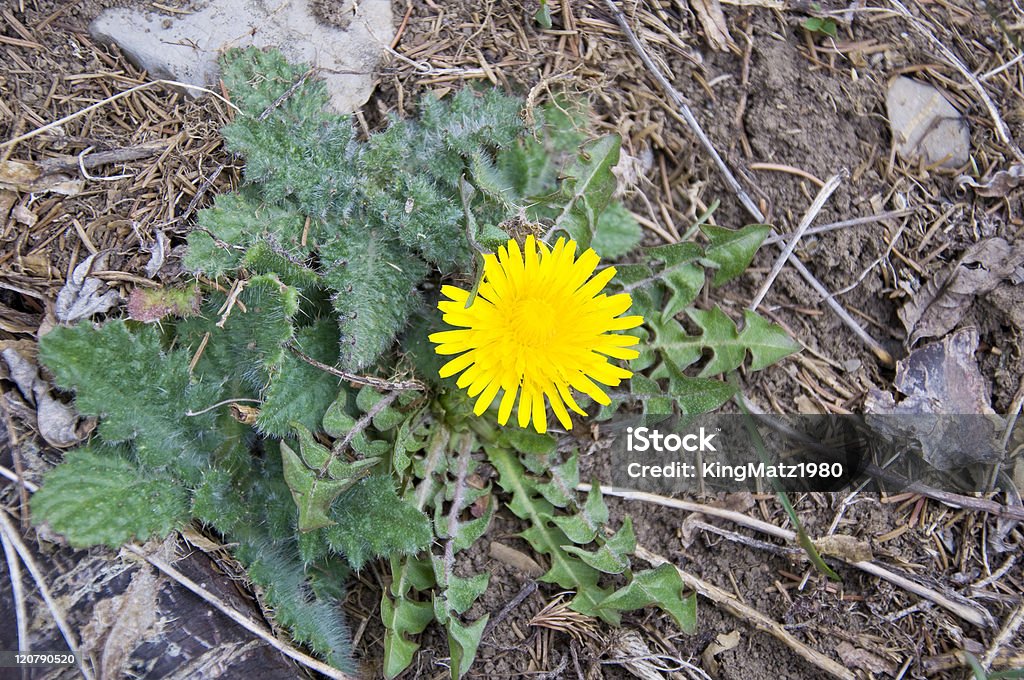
pixel 370 380
pixel 812 212
pixel 833 226
pixel 18 592
pixel 239 618
pixel 8 530
pixel 880 352
pixel 921 27
pixel 746 613
pixel 237 400
pixel 975 615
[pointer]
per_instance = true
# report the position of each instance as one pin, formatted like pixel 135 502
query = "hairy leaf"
pixel 99 497
pixel 141 393
pixel 587 188
pixel 374 281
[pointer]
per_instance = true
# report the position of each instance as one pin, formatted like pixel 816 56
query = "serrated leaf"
pixel 301 392
pixel 732 250
pixel 401 618
pixel 661 587
pixel 371 520
pixel 582 527
pixel 617 232
pixel 698 395
pixel 613 556
pixel 587 188
pixel 463 641
pixel 655 401
pixel 141 393
pixel 528 441
pixel 765 341
pixel 98 497
pixel 471 531
pixel 313 495
pixel 374 280
pixel 568 571
pixel 461 592
pixel 561 490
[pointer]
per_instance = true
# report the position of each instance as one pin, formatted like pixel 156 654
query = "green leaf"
pixel 374 282
pixel 300 392
pixel 98 497
pixel 251 342
pixel 402 617
pixel 582 527
pixel 766 342
pixel 462 592
pixel 617 232
pixel 313 495
pixel 613 556
pixel 317 478
pixel 543 16
pixel 568 571
pixel 697 395
pixel 587 188
pixel 661 587
pixel 141 393
pixel 463 641
pixel 732 250
pixel 371 521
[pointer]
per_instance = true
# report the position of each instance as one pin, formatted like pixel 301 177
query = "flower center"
pixel 534 323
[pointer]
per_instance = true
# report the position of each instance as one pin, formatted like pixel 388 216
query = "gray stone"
pixel 925 126
pixel 185 48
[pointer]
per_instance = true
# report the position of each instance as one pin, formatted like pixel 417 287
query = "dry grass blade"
pixel 558 616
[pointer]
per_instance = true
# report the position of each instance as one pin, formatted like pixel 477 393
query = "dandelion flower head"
pixel 539 328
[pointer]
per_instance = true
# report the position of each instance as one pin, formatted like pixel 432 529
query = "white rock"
pixel 185 48
pixel 925 125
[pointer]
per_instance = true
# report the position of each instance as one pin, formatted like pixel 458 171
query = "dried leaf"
pixel 998 185
pixel 713 20
pixel 157 254
pixel 82 296
pixel 515 559
pixel 723 643
pixel 31 177
pixel 854 657
pixel 847 548
pixel 947 413
pixel 57 423
pixel 943 301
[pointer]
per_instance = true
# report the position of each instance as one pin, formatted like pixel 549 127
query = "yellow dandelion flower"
pixel 539 327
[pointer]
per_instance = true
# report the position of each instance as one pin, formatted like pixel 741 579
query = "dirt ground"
pixel 787 110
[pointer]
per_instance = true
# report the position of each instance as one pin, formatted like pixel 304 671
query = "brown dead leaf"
pixel 57 423
pixel 942 302
pixel 723 643
pixel 946 413
pixel 712 19
pixel 847 548
pixel 854 657
pixel 31 177
pixel 998 185
pixel 515 559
